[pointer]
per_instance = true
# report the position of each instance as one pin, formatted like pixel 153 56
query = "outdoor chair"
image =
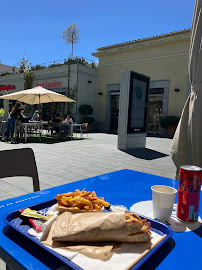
pixel 78 129
pixel 19 162
pixel 47 126
pixel 56 130
pixel 85 128
pixel 19 130
pixel 3 127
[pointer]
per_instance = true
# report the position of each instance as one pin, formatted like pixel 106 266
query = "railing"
pixel 73 60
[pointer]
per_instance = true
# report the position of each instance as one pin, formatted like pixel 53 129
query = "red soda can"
pixel 189 189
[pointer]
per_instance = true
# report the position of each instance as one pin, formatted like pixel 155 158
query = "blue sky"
pixel 36 27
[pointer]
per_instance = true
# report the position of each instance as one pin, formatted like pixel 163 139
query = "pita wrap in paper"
pixel 100 251
pixel 99 227
pixel 93 234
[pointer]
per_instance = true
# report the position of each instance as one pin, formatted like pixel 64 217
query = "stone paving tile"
pixel 72 176
pixel 18 192
pixel 49 178
pixel 26 185
pixel 6 198
pixel 4 186
pixel 44 185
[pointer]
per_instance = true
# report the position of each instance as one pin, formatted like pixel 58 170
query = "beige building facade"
pixel 163 58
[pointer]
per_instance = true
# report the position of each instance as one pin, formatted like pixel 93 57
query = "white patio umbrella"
pixel 37 95
pixel 186 146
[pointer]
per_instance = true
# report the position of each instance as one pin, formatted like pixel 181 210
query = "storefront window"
pixel 50 109
pixel 114 111
pixel 155 110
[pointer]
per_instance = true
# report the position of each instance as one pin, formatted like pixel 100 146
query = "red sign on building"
pixel 6 87
pixel 54 84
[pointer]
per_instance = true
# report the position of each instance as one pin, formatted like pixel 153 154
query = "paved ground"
pixel 70 161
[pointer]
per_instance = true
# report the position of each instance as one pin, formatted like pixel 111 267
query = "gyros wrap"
pixel 100 227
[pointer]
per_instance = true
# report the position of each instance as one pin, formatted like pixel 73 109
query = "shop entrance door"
pixel 114 111
pixel 155 110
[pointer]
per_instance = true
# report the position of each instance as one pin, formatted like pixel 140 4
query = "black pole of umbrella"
pixel 39 108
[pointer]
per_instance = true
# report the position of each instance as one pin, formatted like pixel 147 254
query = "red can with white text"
pixel 189 189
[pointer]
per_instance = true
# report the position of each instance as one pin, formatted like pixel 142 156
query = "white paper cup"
pixel 163 198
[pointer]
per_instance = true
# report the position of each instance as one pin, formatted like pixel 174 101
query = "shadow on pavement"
pixel 145 153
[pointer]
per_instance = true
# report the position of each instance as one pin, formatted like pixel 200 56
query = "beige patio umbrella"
pixel 186 146
pixel 37 95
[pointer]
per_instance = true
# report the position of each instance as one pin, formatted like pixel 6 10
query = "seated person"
pixel 35 116
pixel 63 124
pixel 57 120
pixel 51 119
pixel 68 120
pixel 23 118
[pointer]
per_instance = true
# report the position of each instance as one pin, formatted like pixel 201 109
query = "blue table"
pixel 182 251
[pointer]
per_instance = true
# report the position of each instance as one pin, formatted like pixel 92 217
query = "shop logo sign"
pixel 54 84
pixel 6 87
pixel 138 91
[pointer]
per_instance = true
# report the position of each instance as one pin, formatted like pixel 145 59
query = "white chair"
pixel 85 128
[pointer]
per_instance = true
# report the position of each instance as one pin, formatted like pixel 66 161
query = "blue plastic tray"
pixel 14 220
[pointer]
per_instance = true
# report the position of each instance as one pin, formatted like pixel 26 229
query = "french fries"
pixel 78 200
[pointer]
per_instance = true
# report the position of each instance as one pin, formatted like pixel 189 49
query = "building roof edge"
pixel 185 31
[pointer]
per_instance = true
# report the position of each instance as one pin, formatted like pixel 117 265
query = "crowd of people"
pixel 14 114
pixel 18 116
pixel 61 123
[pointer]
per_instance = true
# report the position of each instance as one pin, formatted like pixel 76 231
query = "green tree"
pixel 28 78
pixel 71 35
pixel 25 68
pixel 23 63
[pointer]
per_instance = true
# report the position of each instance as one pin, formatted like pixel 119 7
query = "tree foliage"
pixel 28 78
pixel 168 121
pixel 85 109
pixel 71 35
pixel 25 68
pixel 23 63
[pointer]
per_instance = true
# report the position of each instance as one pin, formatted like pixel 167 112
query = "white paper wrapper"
pixel 118 259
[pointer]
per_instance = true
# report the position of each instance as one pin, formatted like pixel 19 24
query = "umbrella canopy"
pixel 186 146
pixel 37 95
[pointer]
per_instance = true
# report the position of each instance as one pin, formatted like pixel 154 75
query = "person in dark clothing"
pixel 15 112
pixel 23 118
pixel 57 120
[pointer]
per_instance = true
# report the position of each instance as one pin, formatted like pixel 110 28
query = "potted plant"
pixel 86 110
pixel 170 124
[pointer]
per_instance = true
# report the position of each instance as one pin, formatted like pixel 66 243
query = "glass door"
pixel 114 111
pixel 154 113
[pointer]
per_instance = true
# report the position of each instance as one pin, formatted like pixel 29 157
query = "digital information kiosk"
pixel 134 92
